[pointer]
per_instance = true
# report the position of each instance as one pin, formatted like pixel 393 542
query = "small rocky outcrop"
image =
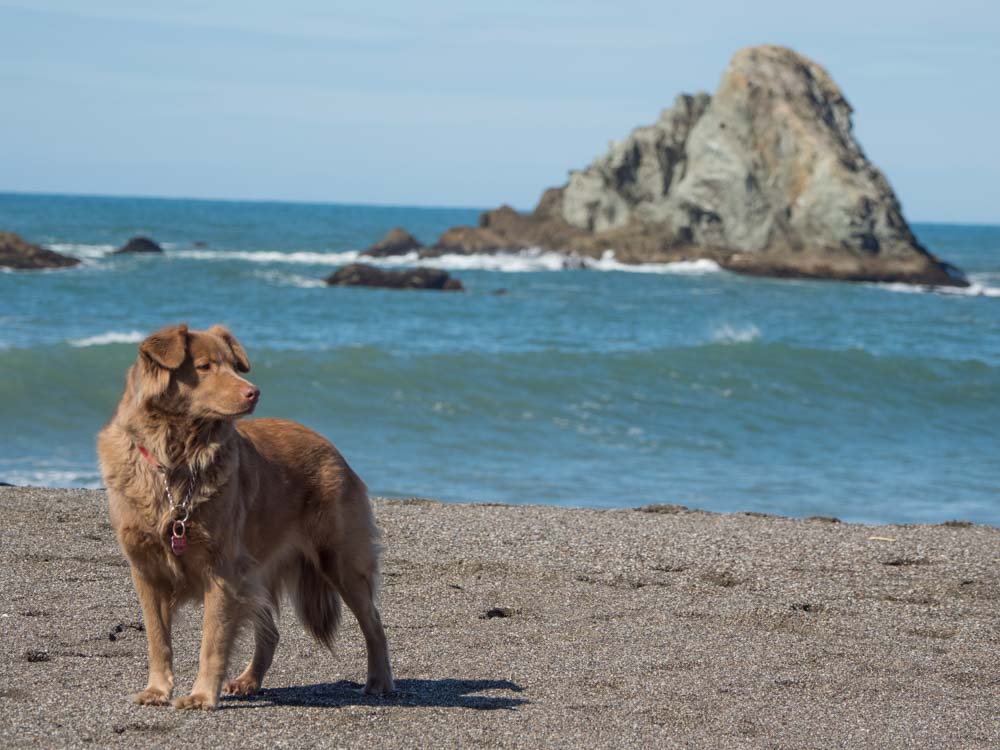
pixel 397 242
pixel 138 245
pixel 17 253
pixel 362 274
pixel 465 240
pixel 764 177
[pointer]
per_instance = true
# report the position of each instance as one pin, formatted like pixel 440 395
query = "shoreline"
pixel 655 508
pixel 517 626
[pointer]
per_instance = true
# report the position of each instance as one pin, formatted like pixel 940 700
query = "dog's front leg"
pixel 156 612
pixel 218 629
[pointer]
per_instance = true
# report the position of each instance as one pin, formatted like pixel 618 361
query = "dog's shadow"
pixel 445 693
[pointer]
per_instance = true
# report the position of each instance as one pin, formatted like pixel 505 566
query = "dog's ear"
pixel 167 347
pixel 242 361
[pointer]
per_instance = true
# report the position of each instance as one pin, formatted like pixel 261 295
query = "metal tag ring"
pixel 179 528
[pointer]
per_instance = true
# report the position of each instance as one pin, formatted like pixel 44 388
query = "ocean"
pixel 606 386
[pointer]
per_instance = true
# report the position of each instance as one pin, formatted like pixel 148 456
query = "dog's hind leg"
pixel 265 640
pixel 357 588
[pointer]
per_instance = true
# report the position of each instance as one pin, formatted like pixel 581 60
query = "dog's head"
pixel 194 373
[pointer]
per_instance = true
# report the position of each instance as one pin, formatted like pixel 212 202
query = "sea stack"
pixel 397 242
pixel 765 177
pixel 18 253
pixel 138 245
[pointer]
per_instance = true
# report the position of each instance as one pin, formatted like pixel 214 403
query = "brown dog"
pixel 232 513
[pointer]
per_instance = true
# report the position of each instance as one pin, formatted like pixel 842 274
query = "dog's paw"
pixel 381 685
pixel 151 697
pixel 202 701
pixel 241 686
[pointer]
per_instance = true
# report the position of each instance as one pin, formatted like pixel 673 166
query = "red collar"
pixel 152 461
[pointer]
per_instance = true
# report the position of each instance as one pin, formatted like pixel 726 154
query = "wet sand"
pixel 537 626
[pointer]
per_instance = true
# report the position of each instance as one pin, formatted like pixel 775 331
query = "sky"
pixel 461 104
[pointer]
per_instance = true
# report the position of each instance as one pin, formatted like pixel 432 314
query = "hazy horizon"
pixel 359 204
pixel 452 106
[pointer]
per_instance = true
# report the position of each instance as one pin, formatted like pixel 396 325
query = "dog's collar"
pixel 181 511
pixel 152 461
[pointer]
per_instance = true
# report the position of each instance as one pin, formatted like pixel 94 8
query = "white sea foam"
pixel 979 286
pixel 50 478
pixel 523 261
pixel 728 334
pixel 976 288
pixel 88 252
pixel 289 279
pixel 302 257
pixel 527 260
pixel 607 262
pixel 536 259
pixel 110 337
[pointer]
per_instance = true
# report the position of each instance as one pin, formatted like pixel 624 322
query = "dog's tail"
pixel 315 597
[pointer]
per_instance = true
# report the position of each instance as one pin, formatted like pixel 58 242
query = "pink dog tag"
pixel 178 544
pixel 178 539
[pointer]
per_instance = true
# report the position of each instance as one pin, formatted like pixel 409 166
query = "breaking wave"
pixel 86 252
pixel 289 279
pixel 522 261
pixel 110 337
pixel 980 285
pixel 727 334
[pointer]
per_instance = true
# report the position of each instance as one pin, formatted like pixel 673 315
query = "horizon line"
pixel 373 204
pixel 213 199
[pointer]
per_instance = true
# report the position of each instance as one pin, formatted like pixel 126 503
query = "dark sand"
pixel 617 628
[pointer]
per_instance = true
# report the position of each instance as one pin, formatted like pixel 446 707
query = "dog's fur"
pixel 276 509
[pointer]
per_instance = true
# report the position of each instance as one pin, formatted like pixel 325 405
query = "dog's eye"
pixel 204 366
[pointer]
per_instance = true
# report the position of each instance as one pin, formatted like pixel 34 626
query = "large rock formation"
pixel 397 242
pixel 17 253
pixel 765 177
pixel 360 274
pixel 138 245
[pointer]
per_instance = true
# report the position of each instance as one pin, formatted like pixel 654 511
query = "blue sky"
pixel 460 104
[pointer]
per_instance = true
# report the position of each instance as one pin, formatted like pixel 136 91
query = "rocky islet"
pixel 138 245
pixel 361 274
pixel 764 177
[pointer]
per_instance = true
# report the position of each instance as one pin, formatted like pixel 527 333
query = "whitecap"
pixel 536 259
pixel 979 286
pixel 521 261
pixel 727 334
pixel 289 279
pixel 700 266
pixel 89 252
pixel 269 256
pixel 109 337
pixel 51 478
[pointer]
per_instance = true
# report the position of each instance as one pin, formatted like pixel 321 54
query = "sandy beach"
pixel 537 626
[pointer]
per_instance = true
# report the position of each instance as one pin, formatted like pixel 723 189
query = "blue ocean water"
pixel 607 386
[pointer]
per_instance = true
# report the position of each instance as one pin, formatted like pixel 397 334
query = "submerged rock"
pixel 764 177
pixel 361 274
pixel 139 245
pixel 18 253
pixel 397 242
